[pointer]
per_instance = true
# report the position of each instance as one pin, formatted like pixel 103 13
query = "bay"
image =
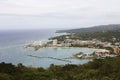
pixel 12 49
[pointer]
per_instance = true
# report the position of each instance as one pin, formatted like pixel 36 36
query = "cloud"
pixel 38 7
pixel 58 13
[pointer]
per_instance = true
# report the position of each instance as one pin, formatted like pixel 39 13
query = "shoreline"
pixel 71 47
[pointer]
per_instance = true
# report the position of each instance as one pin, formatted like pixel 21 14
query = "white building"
pixel 37 43
pixel 81 42
pixel 107 44
pixel 55 42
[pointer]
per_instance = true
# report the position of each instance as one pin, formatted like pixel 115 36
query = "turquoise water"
pixel 19 54
pixel 12 49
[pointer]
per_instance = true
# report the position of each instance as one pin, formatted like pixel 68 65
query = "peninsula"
pixel 108 40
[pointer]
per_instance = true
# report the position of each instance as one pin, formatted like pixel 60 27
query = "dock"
pixel 50 58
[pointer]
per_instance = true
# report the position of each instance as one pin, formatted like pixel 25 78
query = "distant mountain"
pixel 93 29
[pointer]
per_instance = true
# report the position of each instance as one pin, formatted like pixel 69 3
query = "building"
pixel 67 44
pixel 102 53
pixel 37 43
pixel 55 42
pixel 82 43
pixel 117 44
pixel 107 44
pixel 116 50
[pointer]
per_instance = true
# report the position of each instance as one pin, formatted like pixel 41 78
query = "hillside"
pixel 93 29
pixel 98 69
pixel 102 36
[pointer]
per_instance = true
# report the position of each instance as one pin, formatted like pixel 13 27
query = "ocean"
pixel 11 37
pixel 12 49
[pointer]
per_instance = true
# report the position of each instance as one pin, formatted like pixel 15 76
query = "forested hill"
pixel 93 29
pixel 98 69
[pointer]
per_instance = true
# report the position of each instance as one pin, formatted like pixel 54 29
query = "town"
pixel 106 49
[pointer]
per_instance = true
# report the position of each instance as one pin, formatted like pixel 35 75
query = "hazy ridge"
pixel 98 28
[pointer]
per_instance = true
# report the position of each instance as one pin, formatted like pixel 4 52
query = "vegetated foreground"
pixel 98 69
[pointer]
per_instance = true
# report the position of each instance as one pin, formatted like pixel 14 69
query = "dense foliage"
pixel 98 69
pixel 110 36
pixel 102 36
pixel 97 28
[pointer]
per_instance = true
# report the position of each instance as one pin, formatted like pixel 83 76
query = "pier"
pixel 50 58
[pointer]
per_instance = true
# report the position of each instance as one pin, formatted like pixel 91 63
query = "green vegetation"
pixel 110 36
pixel 98 28
pixel 98 69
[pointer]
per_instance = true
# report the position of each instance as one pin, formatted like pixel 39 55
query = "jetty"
pixel 50 58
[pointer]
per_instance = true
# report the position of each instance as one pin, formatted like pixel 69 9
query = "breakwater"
pixel 49 58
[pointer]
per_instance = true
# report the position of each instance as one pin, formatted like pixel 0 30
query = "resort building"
pixel 55 42
pixel 107 44
pixel 37 43
pixel 81 42
pixel 102 53
pixel 116 50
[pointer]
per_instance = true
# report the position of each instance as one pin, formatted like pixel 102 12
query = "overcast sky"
pixel 39 14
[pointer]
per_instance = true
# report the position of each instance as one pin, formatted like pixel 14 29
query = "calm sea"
pixel 12 49
pixel 13 37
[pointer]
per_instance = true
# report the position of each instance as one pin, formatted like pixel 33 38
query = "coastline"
pixel 70 47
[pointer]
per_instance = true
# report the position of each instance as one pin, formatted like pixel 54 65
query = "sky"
pixel 63 14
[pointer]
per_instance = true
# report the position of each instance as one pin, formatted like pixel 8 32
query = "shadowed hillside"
pixel 98 69
pixel 93 29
